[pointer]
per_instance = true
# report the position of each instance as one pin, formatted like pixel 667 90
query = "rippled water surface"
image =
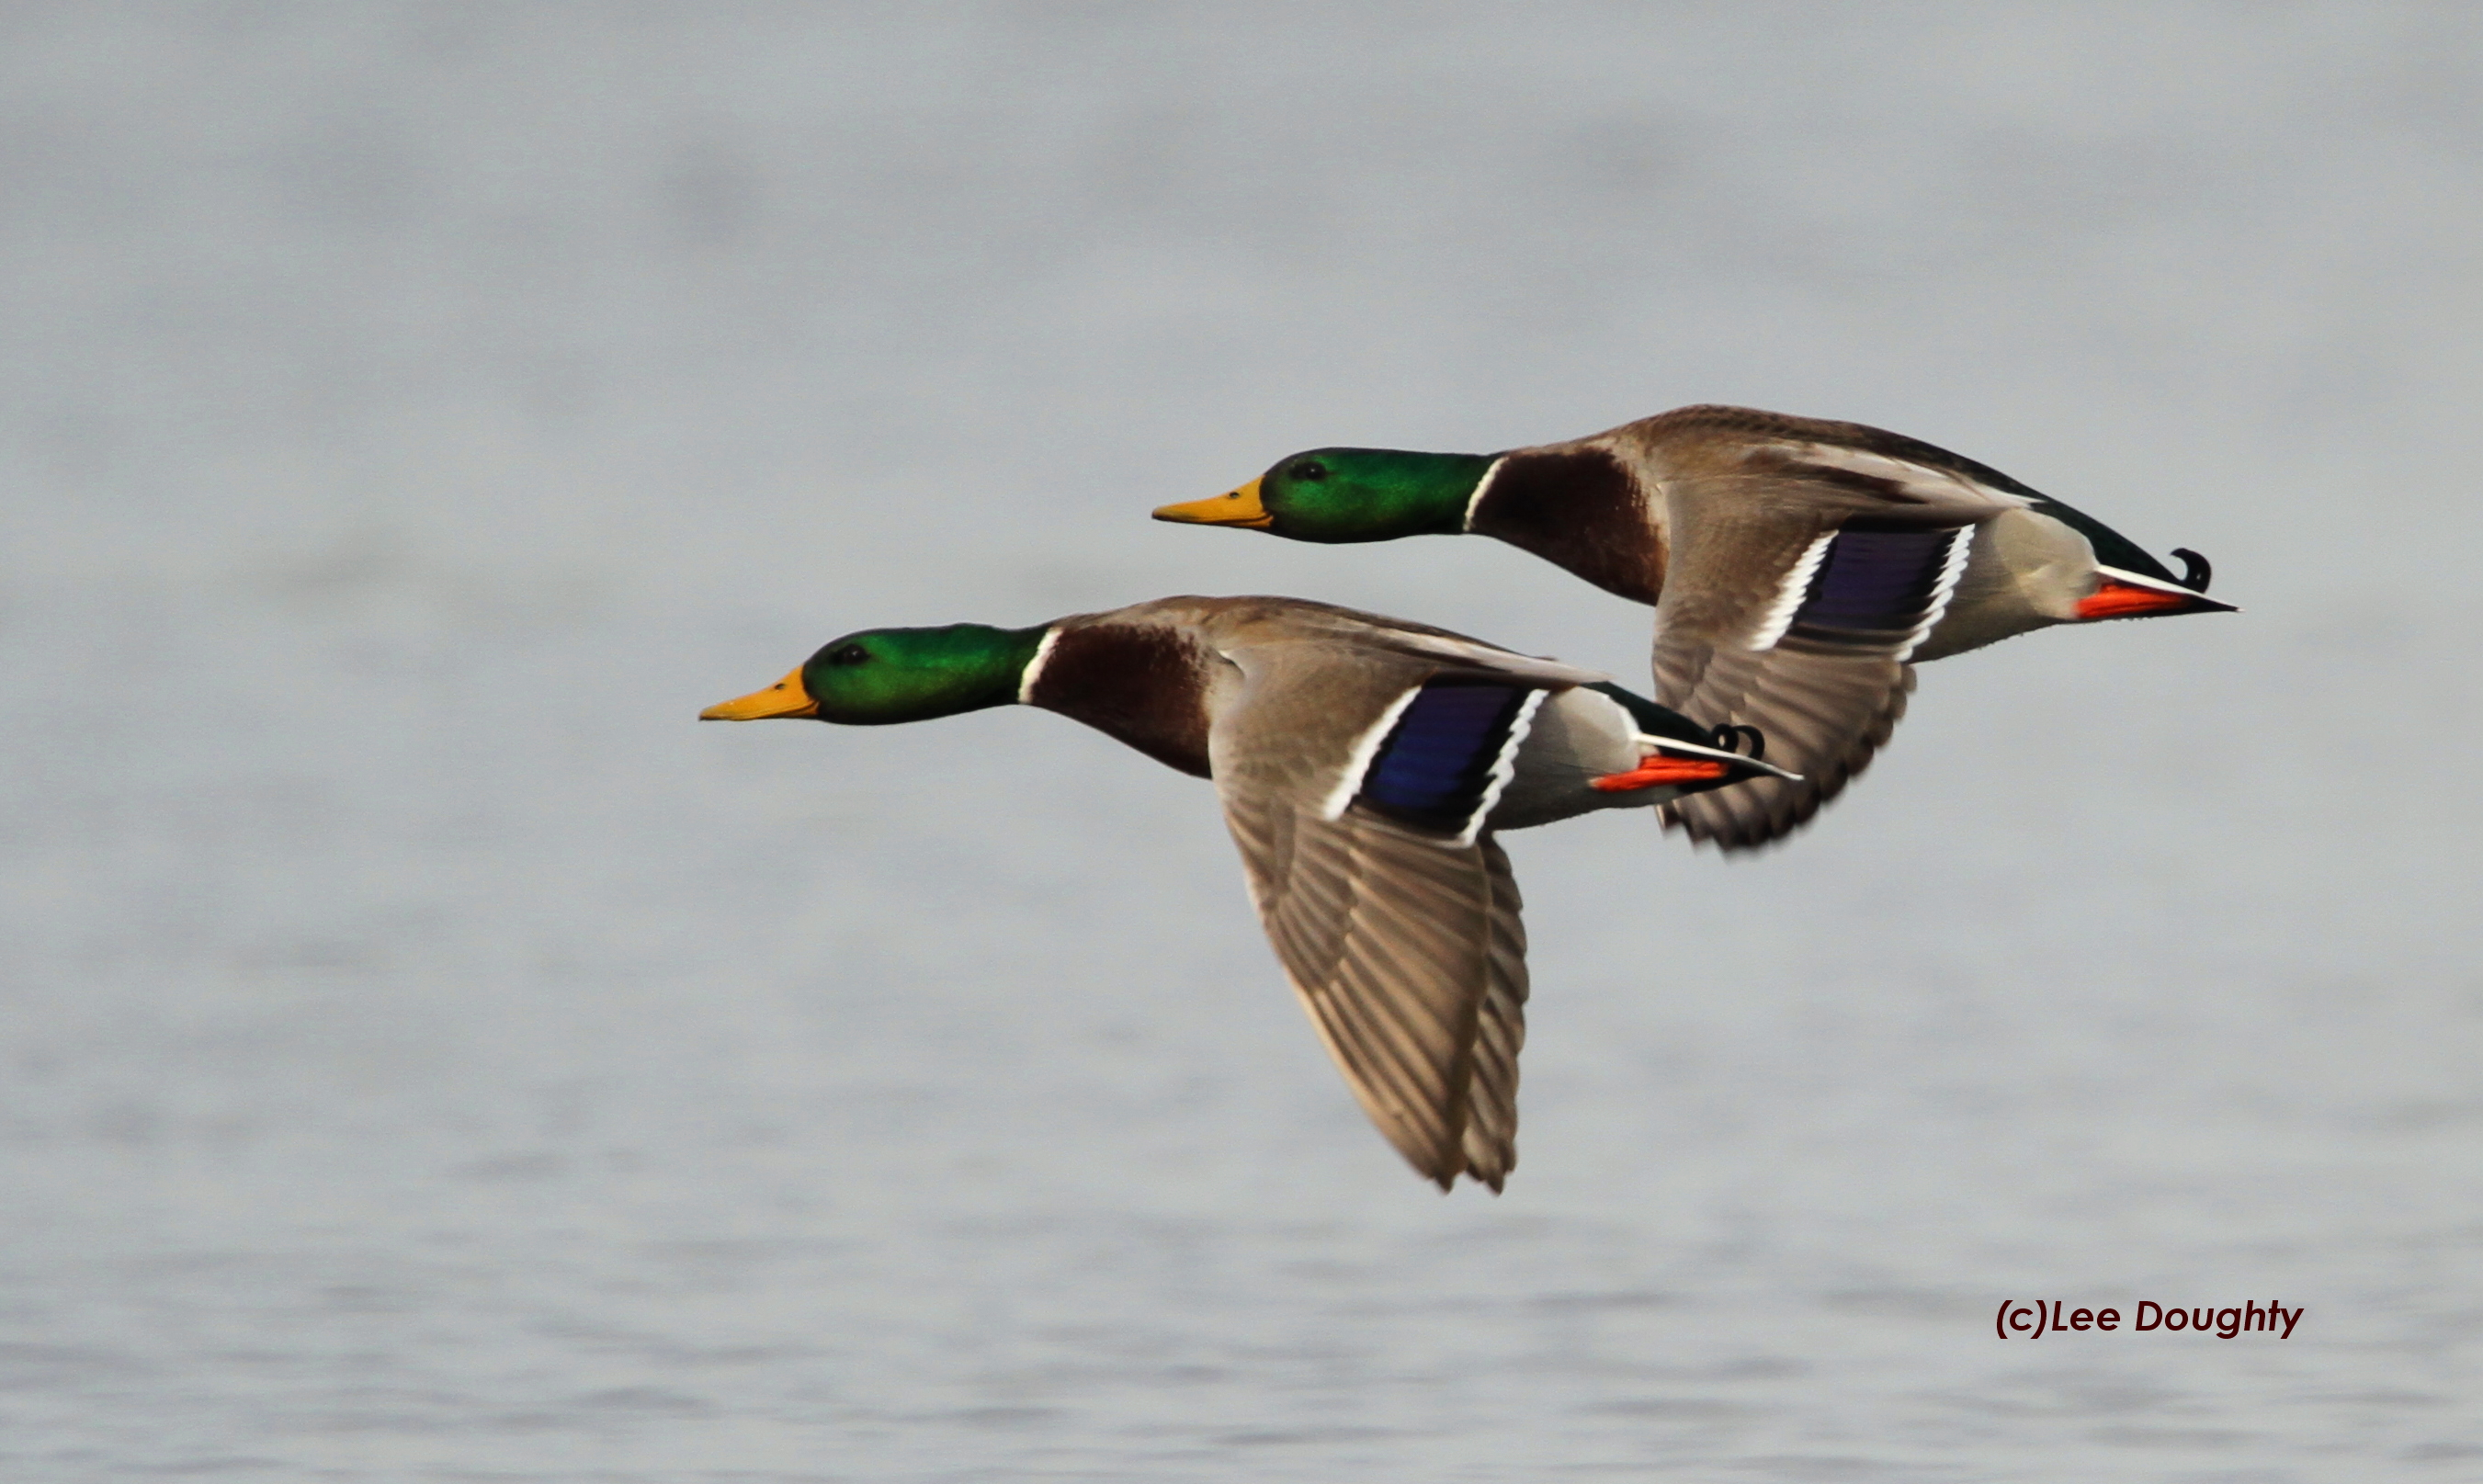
pixel 429 1055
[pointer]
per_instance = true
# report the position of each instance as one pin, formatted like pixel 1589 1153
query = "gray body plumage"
pixel 1719 518
pixel 1404 942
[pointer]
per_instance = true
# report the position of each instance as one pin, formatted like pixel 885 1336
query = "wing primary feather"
pixel 1408 951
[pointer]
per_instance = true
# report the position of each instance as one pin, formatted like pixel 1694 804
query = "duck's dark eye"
pixel 1309 470
pixel 849 655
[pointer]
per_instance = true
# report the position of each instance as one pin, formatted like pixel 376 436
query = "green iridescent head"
pixel 883 675
pixel 1348 495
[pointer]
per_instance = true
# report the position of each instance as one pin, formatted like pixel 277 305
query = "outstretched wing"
pixel 1394 914
pixel 1799 586
pixel 1823 677
pixel 1408 954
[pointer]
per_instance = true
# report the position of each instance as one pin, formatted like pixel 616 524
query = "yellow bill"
pixel 788 697
pixel 1242 507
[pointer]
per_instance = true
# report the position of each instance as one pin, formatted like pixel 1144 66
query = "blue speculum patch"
pixel 1435 766
pixel 1877 581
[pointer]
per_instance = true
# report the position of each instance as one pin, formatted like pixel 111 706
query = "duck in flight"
pixel 1799 568
pixel 1365 765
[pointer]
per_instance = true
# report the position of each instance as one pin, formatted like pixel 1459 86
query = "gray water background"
pixel 427 1054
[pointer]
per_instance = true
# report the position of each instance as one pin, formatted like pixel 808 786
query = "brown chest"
pixel 1141 684
pixel 1580 509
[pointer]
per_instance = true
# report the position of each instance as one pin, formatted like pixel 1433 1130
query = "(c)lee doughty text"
pixel 2035 1320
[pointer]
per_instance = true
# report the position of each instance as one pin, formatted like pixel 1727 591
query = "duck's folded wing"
pixel 1408 952
pixel 1797 588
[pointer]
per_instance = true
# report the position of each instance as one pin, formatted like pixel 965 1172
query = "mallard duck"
pixel 1796 566
pixel 1365 765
